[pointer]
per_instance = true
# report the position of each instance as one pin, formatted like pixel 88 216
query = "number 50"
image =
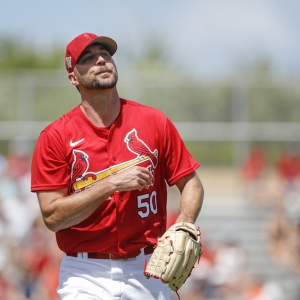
pixel 147 203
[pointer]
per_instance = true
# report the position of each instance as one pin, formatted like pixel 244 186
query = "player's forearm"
pixel 64 211
pixel 192 195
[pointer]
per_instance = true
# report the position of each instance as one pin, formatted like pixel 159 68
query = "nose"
pixel 100 60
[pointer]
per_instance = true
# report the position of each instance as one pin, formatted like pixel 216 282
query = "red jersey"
pixel 73 153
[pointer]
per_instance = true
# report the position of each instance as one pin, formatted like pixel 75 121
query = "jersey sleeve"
pixel 178 160
pixel 49 169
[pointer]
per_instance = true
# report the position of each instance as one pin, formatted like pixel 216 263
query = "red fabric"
pixel 254 165
pixel 4 287
pixel 17 166
pixel 127 221
pixel 289 166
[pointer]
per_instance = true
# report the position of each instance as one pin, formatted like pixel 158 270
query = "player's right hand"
pixel 134 178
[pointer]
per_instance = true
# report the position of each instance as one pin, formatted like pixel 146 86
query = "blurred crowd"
pixel 274 189
pixel 281 199
pixel 30 258
pixel 222 274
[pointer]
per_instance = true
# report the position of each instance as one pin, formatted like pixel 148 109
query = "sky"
pixel 204 36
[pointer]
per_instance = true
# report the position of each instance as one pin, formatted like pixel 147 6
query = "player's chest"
pixel 123 147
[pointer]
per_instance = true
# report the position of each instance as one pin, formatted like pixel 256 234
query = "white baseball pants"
pixel 83 278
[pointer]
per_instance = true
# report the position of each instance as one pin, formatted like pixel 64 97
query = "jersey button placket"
pixel 110 150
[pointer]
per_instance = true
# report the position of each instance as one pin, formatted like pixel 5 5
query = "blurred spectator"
pixel 272 291
pixel 296 268
pixel 39 261
pixel 258 289
pixel 281 237
pixel 288 168
pixel 19 206
pixel 229 266
pixel 252 172
pixel 253 288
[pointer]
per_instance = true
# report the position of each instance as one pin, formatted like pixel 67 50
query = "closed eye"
pixel 88 58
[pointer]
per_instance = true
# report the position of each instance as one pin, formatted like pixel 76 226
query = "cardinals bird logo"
pixel 80 165
pixel 137 146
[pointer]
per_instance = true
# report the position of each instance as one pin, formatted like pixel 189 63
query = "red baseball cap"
pixel 78 44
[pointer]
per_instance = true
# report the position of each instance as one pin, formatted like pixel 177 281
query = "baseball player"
pixel 100 174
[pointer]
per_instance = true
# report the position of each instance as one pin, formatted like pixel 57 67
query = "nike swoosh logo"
pixel 73 144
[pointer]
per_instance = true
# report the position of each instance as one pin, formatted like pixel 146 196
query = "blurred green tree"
pixel 17 54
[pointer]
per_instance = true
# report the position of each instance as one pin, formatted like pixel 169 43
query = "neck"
pixel 101 109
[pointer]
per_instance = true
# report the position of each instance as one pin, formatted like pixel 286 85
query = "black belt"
pixel 99 255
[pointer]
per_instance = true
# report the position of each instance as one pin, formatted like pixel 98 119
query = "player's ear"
pixel 73 79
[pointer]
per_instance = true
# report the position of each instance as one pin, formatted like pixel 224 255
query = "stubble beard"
pixel 97 84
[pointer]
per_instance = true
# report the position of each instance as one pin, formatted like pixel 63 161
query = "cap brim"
pixel 107 42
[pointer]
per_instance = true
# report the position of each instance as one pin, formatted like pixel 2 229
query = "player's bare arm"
pixel 192 194
pixel 60 210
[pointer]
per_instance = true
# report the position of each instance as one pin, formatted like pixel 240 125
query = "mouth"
pixel 103 72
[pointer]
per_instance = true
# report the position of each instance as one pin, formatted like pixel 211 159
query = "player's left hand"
pixel 175 255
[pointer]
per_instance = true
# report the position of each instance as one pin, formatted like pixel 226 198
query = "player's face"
pixel 95 69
